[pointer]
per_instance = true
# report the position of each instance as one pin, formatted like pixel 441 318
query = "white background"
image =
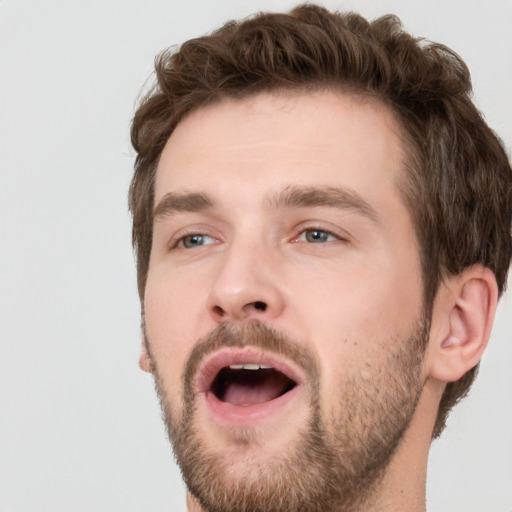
pixel 79 423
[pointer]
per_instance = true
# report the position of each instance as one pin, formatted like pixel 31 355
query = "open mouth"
pixel 246 384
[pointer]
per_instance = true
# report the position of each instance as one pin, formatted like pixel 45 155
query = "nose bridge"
pixel 245 285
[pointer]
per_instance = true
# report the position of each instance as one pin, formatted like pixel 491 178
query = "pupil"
pixel 316 236
pixel 192 240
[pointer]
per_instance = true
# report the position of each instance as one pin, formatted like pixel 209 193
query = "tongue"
pixel 248 387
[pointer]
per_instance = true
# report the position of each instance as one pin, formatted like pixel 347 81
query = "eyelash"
pixel 178 241
pixel 328 232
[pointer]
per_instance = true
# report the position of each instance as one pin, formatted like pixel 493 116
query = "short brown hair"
pixel 458 184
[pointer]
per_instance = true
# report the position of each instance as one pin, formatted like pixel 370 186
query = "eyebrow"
pixel 302 197
pixel 183 202
pixel 288 197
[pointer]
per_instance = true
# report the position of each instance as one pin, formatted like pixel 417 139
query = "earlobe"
pixel 469 304
pixel 145 361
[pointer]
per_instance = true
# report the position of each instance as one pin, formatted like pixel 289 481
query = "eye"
pixel 316 236
pixel 195 240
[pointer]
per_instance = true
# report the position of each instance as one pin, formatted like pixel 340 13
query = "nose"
pixel 246 285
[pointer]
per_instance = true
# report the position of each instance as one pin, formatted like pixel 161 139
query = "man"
pixel 322 222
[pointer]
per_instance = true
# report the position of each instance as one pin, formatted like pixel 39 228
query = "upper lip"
pixel 212 365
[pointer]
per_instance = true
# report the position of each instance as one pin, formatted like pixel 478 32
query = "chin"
pixel 285 453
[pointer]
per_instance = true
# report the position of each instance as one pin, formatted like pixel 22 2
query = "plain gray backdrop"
pixel 80 426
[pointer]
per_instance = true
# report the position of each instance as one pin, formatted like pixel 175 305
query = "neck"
pixel 404 484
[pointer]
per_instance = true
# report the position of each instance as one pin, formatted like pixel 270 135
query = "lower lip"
pixel 234 415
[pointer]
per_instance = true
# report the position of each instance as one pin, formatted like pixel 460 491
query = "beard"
pixel 335 461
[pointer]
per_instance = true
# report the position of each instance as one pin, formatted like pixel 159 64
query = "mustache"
pixel 254 334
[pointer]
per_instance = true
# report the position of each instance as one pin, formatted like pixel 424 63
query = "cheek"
pixel 362 302
pixel 359 317
pixel 171 312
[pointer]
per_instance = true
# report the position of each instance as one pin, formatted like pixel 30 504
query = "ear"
pixel 145 361
pixel 462 321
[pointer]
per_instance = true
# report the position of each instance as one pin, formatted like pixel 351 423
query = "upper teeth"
pixel 249 366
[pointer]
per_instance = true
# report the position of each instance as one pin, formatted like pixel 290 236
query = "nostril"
pixel 218 310
pixel 261 306
pixel 232 312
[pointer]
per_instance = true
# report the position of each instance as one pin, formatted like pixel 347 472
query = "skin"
pixel 348 298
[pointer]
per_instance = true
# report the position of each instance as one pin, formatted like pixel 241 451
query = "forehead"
pixel 274 140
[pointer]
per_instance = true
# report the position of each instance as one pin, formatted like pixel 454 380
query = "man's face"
pixel 283 306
